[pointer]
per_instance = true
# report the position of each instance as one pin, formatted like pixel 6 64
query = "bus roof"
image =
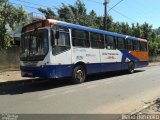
pixel 70 25
pixel 49 22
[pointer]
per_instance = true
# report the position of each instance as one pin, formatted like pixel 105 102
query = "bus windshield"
pixel 34 45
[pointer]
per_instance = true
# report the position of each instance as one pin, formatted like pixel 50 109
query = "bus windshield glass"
pixel 34 45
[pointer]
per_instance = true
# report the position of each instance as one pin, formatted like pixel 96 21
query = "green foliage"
pixel 9 16
pixel 7 42
pixel 49 14
pixel 74 13
pixel 153 47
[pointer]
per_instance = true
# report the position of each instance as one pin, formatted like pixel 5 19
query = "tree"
pixel 73 13
pixel 91 19
pixel 136 30
pixel 153 47
pixel 9 16
pixel 157 31
pixel 125 28
pixel 109 23
pixel 67 13
pixel 49 13
pixel 146 31
pixel 116 27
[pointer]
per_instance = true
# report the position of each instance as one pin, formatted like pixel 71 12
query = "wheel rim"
pixel 79 74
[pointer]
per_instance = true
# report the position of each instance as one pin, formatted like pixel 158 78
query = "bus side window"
pixel 101 42
pixel 136 45
pixel 120 43
pixel 129 45
pixel 109 42
pixel 97 40
pixel 143 46
pixel 94 38
pixel 63 37
pixel 80 38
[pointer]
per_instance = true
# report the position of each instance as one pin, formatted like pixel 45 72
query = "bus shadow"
pixel 35 85
pixel 109 75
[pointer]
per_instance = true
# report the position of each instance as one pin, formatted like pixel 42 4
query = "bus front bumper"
pixel 41 72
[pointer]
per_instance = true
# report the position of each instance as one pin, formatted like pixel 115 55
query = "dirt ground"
pixel 11 75
pixel 153 108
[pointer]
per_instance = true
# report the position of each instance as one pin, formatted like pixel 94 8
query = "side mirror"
pixel 57 35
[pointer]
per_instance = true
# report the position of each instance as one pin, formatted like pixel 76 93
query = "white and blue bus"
pixel 56 49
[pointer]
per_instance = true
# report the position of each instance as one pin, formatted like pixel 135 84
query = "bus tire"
pixel 79 74
pixel 131 67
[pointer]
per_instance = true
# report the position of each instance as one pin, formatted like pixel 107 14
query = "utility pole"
pixel 105 14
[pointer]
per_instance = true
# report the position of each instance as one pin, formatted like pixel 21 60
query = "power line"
pixel 141 12
pixel 30 3
pixel 124 15
pixel 24 5
pixel 35 4
pixel 29 7
pixel 111 8
pixel 115 5
pixel 64 13
pixel 146 12
pixel 95 1
pixel 37 9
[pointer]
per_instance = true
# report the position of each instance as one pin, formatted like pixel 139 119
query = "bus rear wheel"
pixel 131 67
pixel 79 74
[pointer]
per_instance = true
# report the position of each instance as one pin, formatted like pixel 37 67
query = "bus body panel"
pixel 110 60
pixel 95 60
pixel 89 57
pixel 63 63
pixel 142 56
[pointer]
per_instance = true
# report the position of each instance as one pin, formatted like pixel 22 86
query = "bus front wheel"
pixel 131 67
pixel 79 74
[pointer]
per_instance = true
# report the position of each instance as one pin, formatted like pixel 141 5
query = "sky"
pixel 131 11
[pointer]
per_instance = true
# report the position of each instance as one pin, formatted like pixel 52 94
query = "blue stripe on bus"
pixel 126 54
pixel 59 71
pixel 42 72
pixel 142 64
pixel 49 71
